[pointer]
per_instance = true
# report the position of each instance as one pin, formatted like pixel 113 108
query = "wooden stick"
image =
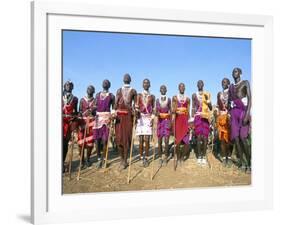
pixel 71 154
pixel 175 163
pixel 106 153
pixel 82 150
pixel 131 149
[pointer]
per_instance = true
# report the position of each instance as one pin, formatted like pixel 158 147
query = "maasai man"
pixel 240 101
pixel 125 110
pixel 145 110
pixel 163 112
pixel 201 106
pixel 223 122
pixel 181 107
pixel 86 112
pixel 69 111
pixel 104 102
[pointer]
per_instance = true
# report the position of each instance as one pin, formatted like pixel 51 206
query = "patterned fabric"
pixel 223 127
pixel 223 121
pixel 144 122
pixel 164 119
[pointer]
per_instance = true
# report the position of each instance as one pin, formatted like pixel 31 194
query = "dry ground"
pixel 189 175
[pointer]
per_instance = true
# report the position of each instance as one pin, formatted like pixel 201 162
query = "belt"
pixel 181 110
pixel 122 112
pixel 164 115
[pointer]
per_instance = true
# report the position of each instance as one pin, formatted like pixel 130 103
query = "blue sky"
pixel 91 57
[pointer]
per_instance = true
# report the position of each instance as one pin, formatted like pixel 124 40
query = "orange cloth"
pixel 164 115
pixel 205 108
pixel 182 110
pixel 223 127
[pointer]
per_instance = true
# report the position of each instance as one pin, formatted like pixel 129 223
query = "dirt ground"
pixel 189 175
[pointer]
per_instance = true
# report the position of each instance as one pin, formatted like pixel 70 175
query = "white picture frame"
pixel 48 205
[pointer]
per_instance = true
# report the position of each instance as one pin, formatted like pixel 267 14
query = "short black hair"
pixel 228 81
pixel 238 69
pixel 70 83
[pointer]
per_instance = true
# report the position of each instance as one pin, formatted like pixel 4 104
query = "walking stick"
pixel 71 154
pixel 154 146
pixel 83 145
pixel 175 163
pixel 131 149
pixel 106 153
pixel 212 144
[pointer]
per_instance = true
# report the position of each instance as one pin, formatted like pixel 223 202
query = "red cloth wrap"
pixel 181 127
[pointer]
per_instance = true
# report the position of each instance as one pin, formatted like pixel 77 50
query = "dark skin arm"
pixel 157 111
pixel 118 93
pixel 219 102
pixel 80 107
pixel 229 101
pixel 153 105
pixel 112 102
pixel 174 105
pixel 193 105
pixel 174 108
pixel 249 97
pixel 134 100
pixel 75 106
pixel 188 107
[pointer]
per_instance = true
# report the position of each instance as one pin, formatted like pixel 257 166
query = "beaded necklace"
pixel 163 103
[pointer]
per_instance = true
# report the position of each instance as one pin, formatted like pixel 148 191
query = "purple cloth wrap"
pixel 237 113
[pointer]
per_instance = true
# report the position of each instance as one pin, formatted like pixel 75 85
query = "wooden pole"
pixel 71 154
pixel 82 150
pixel 106 153
pixel 131 149
pixel 175 162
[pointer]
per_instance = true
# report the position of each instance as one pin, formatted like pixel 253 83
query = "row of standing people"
pixel 173 118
